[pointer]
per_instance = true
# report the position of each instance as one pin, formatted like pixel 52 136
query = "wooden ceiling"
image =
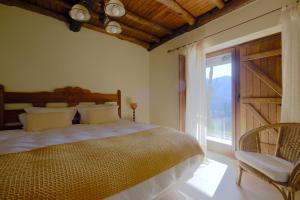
pixel 148 23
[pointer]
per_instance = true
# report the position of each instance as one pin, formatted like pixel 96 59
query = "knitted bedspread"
pixel 93 169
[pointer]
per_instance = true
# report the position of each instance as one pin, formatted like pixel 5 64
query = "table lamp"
pixel 133 106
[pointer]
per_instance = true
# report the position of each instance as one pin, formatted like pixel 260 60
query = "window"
pixel 219 84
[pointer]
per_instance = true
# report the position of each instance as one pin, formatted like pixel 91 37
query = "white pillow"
pixel 41 121
pixel 84 110
pixel 71 110
pixel 103 115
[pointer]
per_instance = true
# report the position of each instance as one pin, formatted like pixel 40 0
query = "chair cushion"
pixel 275 168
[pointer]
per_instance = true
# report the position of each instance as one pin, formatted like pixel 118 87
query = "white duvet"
pixel 12 141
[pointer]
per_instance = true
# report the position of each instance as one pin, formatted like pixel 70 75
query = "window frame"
pixel 235 89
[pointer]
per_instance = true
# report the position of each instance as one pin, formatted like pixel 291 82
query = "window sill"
pixel 219 140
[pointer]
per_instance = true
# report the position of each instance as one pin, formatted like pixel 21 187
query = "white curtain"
pixel 196 94
pixel 290 22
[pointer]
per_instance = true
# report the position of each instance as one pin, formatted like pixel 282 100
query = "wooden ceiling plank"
pixel 219 3
pixel 142 21
pixel 173 5
pixel 204 19
pixel 43 11
pixel 264 77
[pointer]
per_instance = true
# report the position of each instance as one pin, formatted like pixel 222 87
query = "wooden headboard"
pixel 72 96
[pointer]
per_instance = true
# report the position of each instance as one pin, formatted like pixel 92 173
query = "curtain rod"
pixel 224 30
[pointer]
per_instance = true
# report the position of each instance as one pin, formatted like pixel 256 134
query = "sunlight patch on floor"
pixel 215 180
pixel 208 177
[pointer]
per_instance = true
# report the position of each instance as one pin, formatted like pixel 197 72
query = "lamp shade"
pixel 113 27
pixel 115 8
pixel 80 13
pixel 132 100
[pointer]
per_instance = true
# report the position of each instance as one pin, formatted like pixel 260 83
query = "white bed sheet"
pixel 12 141
pixel 159 185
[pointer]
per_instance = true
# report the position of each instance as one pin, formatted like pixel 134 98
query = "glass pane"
pixel 219 85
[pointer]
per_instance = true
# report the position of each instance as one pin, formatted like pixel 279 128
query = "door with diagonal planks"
pixel 261 87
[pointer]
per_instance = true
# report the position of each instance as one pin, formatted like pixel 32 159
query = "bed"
pixel 120 160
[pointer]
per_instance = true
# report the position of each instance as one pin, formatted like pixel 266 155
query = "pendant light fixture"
pixel 115 8
pixel 113 27
pixel 80 13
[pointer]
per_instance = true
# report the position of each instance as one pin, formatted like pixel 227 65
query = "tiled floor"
pixel 215 180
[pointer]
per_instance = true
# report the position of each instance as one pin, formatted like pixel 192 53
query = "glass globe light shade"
pixel 80 13
pixel 113 27
pixel 115 8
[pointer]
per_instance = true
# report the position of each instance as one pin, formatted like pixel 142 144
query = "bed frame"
pixel 71 95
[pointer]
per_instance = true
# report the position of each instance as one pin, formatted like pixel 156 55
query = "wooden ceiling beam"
pixel 35 8
pixel 181 12
pixel 144 22
pixel 219 3
pixel 145 35
pixel 156 29
pixel 43 11
pixel 120 36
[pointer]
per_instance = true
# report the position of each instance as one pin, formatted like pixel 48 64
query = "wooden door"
pixel 261 87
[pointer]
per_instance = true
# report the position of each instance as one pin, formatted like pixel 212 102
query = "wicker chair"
pixel 287 150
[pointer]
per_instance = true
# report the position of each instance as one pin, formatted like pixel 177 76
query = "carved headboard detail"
pixel 70 95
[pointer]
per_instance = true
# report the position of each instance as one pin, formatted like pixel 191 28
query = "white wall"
pixel 40 53
pixel 164 66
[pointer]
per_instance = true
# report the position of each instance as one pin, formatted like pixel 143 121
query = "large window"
pixel 219 84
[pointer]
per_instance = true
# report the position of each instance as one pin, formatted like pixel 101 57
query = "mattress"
pixel 19 141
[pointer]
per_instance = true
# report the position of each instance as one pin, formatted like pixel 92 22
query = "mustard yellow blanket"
pixel 93 169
